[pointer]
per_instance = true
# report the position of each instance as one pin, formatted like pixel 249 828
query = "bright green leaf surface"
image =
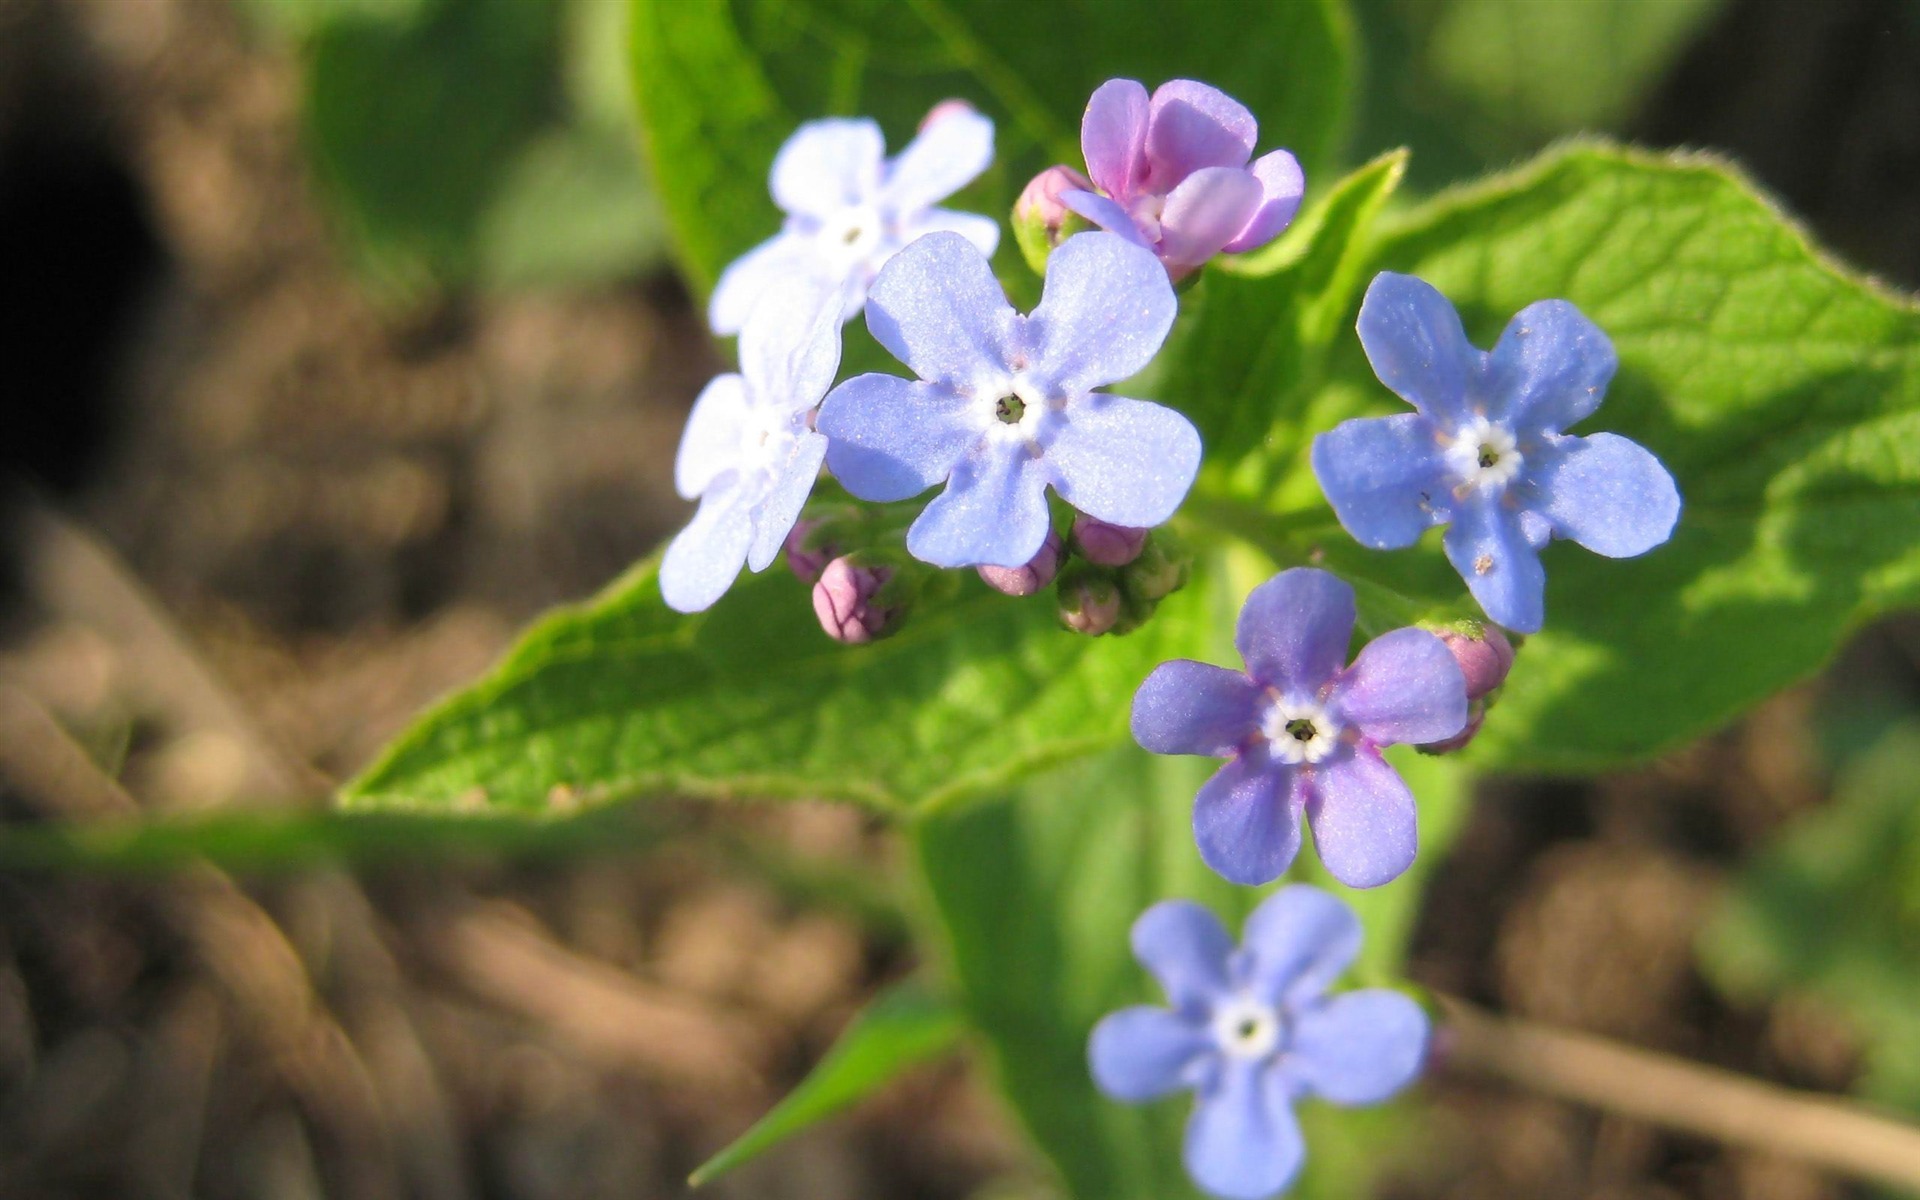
pixel 721 84
pixel 622 696
pixel 1035 896
pixel 901 1029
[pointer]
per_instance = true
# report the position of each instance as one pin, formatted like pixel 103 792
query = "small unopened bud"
pixel 1107 545
pixel 946 108
pixel 1483 652
pixel 1041 220
pixel 807 555
pixel 1476 716
pixel 857 602
pixel 1089 602
pixel 1037 574
pixel 1160 569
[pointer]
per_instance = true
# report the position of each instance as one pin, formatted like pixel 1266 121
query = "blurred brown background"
pixel 258 516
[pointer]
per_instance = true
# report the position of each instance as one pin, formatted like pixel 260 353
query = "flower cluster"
pixel 1041 477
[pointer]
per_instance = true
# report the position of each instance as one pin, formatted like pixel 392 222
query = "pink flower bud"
pixel 805 557
pixel 850 603
pixel 1041 221
pixel 1025 581
pixel 945 109
pixel 1477 716
pixel 1104 544
pixel 1483 652
pixel 1090 604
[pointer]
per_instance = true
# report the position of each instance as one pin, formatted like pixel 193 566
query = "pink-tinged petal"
pixel 1294 629
pixel 787 491
pixel 1359 1047
pixel 1127 462
pixel 705 558
pixel 891 438
pixel 1362 816
pixel 1282 184
pixel 1414 339
pixel 1104 313
pixel 782 263
pixel 1107 215
pixel 1141 1054
pixel 1206 211
pixel 1608 493
pixel 1113 136
pixel 937 307
pixel 982 232
pixel 790 348
pixel 1549 369
pixel 1246 819
pixel 1487 546
pixel 1187 949
pixel 1188 707
pixel 1385 477
pixel 1298 942
pixel 710 445
pixel 827 165
pixel 1242 1141
pixel 1192 127
pixel 1404 687
pixel 947 155
pixel 993 513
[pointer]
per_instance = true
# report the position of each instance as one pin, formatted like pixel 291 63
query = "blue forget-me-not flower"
pixel 1484 451
pixel 849 209
pixel 1005 407
pixel 1302 732
pixel 1252 1030
pixel 749 453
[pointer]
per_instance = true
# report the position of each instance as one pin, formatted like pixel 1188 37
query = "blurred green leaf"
pixel 721 84
pixel 574 209
pixel 1833 909
pixel 902 1028
pixel 1035 896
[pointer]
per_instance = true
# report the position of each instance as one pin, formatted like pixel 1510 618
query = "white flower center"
pixel 1016 410
pixel 1483 454
pixel 766 440
pixel 1299 731
pixel 1245 1028
pixel 852 235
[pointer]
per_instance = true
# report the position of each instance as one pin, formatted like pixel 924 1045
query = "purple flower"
pixel 1004 406
pixel 1252 1030
pixel 849 209
pixel 1302 733
pixel 1173 173
pixel 1484 452
pixel 749 453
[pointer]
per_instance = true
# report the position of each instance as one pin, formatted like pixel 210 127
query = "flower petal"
pixel 1126 462
pixel 704 559
pixel 1404 687
pixel 1294 629
pixel 827 165
pixel 946 156
pixel 1282 184
pixel 993 513
pixel 1246 819
pixel 1207 210
pixel 1362 816
pixel 1502 569
pixel 1359 1047
pixel 1140 1054
pixel 1191 127
pixel 710 445
pixel 1415 342
pixel 982 232
pixel 1188 707
pixel 1104 312
pixel 1243 1142
pixel 787 491
pixel 1549 369
pixel 1298 942
pixel 1106 214
pixel 790 347
pixel 1113 136
pixel 891 438
pixel 1187 949
pixel 1385 478
pixel 937 308
pixel 1608 493
pixel 783 262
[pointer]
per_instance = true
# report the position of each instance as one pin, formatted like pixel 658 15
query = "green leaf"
pixel 1035 896
pixel 901 1029
pixel 573 209
pixel 720 85
pixel 1783 394
pixel 622 696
